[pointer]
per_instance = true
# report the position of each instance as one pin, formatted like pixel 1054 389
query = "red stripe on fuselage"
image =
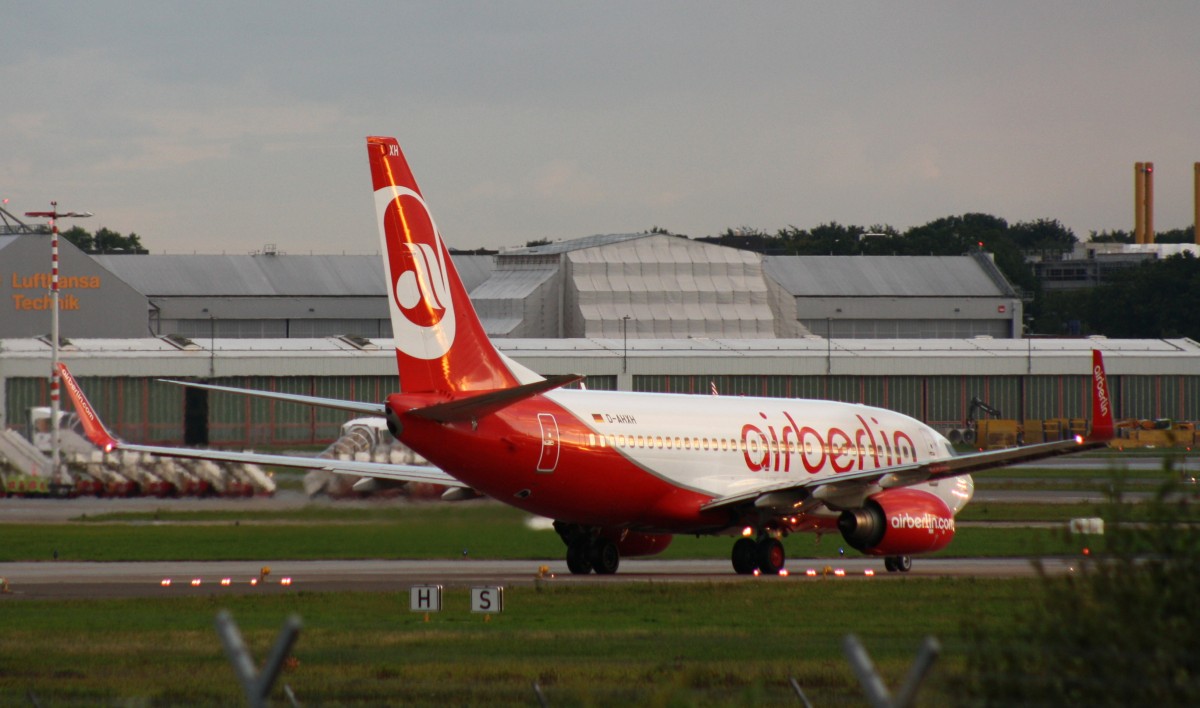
pixel 590 484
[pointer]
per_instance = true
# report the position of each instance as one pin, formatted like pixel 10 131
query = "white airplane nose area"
pixel 962 488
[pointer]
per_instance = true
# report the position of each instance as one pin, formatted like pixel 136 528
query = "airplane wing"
pixel 99 435
pixel 379 470
pixel 851 489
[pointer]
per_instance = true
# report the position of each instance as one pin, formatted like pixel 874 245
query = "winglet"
pixel 1103 427
pixel 96 432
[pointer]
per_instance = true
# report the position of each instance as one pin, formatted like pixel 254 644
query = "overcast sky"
pixel 220 127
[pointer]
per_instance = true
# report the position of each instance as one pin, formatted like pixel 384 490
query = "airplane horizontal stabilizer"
pixel 475 407
pixel 361 407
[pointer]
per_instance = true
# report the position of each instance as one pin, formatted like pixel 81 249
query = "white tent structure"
pixel 627 286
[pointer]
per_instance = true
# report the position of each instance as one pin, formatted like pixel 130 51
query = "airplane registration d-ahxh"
pixel 621 472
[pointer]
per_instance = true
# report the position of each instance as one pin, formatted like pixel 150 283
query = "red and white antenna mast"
pixel 54 215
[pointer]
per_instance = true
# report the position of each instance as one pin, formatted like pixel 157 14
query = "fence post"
pixel 255 685
pixel 860 661
pixel 873 686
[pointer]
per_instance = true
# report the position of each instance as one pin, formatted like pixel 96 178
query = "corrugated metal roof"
pixel 573 244
pixel 881 276
pixel 362 275
pixel 473 270
pixel 512 284
pixel 500 326
pixel 249 275
pixel 268 275
pixel 661 248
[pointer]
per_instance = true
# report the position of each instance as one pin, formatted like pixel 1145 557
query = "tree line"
pixel 1151 300
pixel 103 241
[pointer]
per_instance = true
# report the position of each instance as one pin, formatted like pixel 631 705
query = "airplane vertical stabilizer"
pixel 440 343
pixel 1103 427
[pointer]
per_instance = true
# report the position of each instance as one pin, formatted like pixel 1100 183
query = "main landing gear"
pixel 588 551
pixel 764 555
pixel 897 564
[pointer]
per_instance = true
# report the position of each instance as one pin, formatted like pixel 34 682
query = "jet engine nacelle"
pixel 632 543
pixel 898 522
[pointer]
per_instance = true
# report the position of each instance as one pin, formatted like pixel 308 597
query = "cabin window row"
pixel 660 442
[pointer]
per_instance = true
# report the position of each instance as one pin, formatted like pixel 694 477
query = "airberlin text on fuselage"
pixel 844 450
pixel 931 522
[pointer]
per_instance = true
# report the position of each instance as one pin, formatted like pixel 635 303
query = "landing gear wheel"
pixel 745 556
pixel 578 560
pixel 604 556
pixel 904 563
pixel 890 563
pixel 770 556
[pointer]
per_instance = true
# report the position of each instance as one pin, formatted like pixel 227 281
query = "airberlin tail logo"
pixel 419 286
pixel 418 274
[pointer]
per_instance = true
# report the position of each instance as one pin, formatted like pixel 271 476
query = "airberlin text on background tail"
pixel 621 472
pixel 1102 414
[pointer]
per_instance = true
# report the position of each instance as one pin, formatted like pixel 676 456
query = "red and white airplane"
pixel 621 472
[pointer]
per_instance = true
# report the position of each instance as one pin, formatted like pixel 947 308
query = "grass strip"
pixel 664 644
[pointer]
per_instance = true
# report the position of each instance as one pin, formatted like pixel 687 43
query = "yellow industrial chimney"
pixel 1143 202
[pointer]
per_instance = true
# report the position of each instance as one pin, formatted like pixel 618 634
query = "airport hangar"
pixel 642 312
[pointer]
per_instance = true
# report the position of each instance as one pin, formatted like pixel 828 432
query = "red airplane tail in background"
pixel 441 346
pixel 1103 427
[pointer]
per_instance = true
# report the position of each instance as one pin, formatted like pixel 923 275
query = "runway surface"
pixel 62 580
